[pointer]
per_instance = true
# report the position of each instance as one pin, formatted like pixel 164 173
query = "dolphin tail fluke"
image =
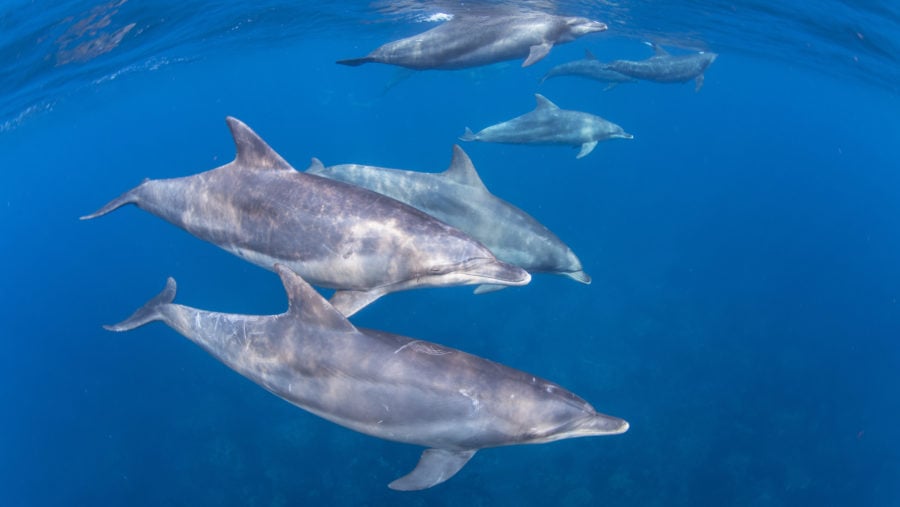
pixel 129 197
pixel 468 135
pixel 435 466
pixel 356 62
pixel 149 312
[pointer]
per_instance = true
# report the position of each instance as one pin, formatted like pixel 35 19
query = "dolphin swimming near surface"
pixel 337 235
pixel 548 124
pixel 382 384
pixel 663 67
pixel 470 40
pixel 591 68
pixel 458 197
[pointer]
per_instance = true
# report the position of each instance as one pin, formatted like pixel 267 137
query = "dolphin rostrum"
pixel 458 197
pixel 663 67
pixel 336 235
pixel 548 124
pixel 382 384
pixel 470 40
pixel 591 68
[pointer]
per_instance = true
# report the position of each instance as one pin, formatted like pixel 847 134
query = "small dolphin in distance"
pixel 459 198
pixel 591 68
pixel 381 384
pixel 471 40
pixel 338 236
pixel 548 124
pixel 663 67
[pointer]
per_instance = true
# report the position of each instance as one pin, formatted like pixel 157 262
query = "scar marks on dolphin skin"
pixel 425 348
pixel 476 404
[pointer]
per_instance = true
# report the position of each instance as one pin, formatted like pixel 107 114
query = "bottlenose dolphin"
pixel 337 235
pixel 548 124
pixel 470 40
pixel 458 197
pixel 591 68
pixel 663 67
pixel 381 384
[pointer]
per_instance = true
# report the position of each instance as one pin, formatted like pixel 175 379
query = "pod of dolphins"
pixel 368 231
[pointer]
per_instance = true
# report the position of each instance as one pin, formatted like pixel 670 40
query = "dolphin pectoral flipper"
pixel 349 302
pixel 149 312
pixel 537 52
pixel 356 62
pixel 586 148
pixel 488 287
pixel 435 466
pixel 699 81
pixel 578 276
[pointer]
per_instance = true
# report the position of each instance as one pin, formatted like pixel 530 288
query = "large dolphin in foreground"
pixel 336 235
pixel 663 67
pixel 470 40
pixel 548 124
pixel 382 384
pixel 591 68
pixel 458 197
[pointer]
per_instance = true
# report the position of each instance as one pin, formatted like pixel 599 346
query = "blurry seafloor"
pixel 743 316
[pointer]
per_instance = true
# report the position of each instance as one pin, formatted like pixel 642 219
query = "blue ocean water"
pixel 744 311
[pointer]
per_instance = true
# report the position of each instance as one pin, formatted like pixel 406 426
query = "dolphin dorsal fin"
pixel 588 55
pixel 462 170
pixel 315 166
pixel 252 151
pixel 307 305
pixel 657 49
pixel 544 102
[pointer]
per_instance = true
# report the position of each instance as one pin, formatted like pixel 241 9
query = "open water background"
pixel 744 313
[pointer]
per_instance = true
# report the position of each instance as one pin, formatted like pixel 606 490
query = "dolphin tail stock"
pixel 468 135
pixel 356 62
pixel 435 466
pixel 149 312
pixel 129 197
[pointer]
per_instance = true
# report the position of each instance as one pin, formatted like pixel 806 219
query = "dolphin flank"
pixel 663 67
pixel 471 40
pixel 548 124
pixel 459 198
pixel 591 68
pixel 381 384
pixel 336 235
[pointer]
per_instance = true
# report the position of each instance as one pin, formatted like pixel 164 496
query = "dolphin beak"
pixel 602 424
pixel 494 271
pixel 625 135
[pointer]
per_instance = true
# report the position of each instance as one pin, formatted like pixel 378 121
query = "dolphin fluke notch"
pixel 435 466
pixel 149 312
pixel 252 151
